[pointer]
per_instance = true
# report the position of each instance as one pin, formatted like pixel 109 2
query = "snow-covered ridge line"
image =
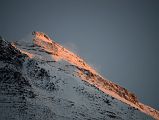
pixel 118 92
pixel 58 52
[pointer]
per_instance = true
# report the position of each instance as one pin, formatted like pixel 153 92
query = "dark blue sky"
pixel 120 38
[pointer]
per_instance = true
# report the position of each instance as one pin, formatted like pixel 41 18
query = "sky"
pixel 119 38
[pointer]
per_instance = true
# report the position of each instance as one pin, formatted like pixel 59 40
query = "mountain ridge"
pixel 55 52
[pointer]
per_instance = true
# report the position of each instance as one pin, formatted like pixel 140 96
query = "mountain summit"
pixel 41 79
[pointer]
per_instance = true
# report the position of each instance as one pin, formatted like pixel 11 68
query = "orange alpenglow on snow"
pixel 59 52
pixel 87 73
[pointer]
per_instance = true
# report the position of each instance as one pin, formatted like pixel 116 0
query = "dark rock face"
pixel 10 54
pixel 14 87
pixel 13 83
pixel 11 78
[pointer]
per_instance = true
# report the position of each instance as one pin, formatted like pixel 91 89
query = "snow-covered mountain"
pixel 40 79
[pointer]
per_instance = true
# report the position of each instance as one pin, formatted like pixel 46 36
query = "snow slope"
pixel 42 80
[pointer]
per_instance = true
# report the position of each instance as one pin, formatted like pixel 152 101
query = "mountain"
pixel 40 79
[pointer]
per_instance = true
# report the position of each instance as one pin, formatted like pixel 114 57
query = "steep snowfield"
pixel 42 80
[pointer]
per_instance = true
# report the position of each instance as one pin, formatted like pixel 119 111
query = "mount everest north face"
pixel 40 79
